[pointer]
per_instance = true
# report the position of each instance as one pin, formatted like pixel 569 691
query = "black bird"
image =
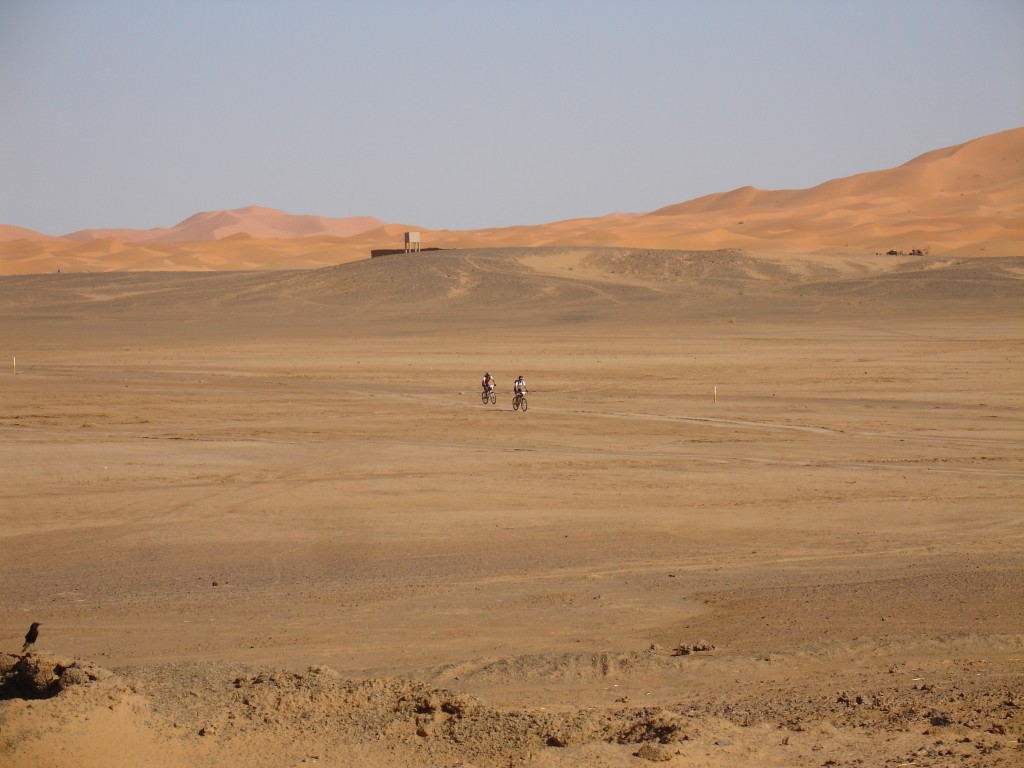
pixel 30 636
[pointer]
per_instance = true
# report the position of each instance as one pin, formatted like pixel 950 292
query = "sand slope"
pixel 962 200
pixel 252 221
pixel 969 196
pixel 8 232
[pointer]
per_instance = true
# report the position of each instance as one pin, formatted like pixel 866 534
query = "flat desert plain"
pixel 760 511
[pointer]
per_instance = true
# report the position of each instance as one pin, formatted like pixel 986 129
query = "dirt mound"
pixel 459 277
pixel 996 278
pixel 529 287
pixel 564 667
pixel 40 676
pixel 949 711
pixel 437 725
pixel 678 266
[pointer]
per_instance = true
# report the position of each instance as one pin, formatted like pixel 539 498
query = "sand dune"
pixel 8 232
pixel 991 164
pixel 965 200
pixel 961 199
pixel 252 221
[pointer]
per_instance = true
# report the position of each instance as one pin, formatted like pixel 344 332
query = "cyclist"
pixel 519 388
pixel 488 382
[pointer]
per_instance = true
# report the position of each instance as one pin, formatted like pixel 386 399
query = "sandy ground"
pixel 273 509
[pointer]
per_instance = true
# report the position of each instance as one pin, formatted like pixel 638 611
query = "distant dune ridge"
pixel 254 221
pixel 10 232
pixel 962 200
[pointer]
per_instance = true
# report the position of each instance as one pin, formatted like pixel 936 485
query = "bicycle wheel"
pixel 494 397
pixel 523 404
pixel 515 403
pixel 483 397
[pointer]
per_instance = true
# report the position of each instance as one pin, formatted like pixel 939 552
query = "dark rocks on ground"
pixel 938 719
pixel 40 676
pixel 685 649
pixel 653 753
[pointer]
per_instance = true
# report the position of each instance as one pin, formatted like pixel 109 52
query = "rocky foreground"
pixel 963 715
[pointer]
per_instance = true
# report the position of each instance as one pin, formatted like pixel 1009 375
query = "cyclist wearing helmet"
pixel 488 382
pixel 519 388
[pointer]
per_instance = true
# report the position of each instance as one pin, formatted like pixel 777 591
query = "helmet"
pixel 487 374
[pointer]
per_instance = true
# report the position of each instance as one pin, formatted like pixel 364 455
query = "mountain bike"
pixel 519 401
pixel 488 394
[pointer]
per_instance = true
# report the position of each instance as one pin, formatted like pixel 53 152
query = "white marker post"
pixel 15 359
pixel 716 393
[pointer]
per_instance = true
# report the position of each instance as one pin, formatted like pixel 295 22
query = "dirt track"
pixel 210 477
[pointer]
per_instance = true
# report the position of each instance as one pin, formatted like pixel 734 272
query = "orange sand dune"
pixel 957 201
pixel 253 221
pixel 962 200
pixel 8 232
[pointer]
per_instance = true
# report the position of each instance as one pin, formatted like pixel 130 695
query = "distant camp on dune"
pixel 965 200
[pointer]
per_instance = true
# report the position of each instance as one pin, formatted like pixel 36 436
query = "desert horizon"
pixel 762 507
pixel 965 200
pixel 747 491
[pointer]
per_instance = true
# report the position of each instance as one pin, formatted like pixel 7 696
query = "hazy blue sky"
pixel 469 113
